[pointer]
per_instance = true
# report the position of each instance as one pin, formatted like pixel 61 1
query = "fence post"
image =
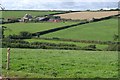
pixel 8 58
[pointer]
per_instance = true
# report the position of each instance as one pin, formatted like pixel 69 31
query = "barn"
pixel 26 18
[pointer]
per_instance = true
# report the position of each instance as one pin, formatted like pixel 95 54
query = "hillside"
pixel 102 30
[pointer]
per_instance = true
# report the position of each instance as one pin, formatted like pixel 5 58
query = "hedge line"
pixel 57 29
pixel 44 45
pixel 82 41
pixel 13 43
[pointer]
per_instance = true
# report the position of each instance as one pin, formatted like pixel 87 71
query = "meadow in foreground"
pixel 41 63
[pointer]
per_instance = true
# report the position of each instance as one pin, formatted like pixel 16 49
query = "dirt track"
pixel 87 15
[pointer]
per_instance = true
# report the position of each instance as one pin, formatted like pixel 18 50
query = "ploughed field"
pixel 88 15
pixel 41 63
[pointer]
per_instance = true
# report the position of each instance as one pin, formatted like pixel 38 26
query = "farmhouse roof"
pixel 40 18
pixel 27 16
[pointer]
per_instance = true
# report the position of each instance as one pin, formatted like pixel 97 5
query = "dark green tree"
pixel 116 37
pixel 3 28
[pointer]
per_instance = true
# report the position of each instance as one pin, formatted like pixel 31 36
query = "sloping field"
pixel 16 28
pixel 19 14
pixel 102 30
pixel 39 63
pixel 87 15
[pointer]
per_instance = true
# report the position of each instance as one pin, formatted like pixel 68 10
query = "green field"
pixel 102 30
pixel 53 63
pixel 19 14
pixel 61 63
pixel 16 28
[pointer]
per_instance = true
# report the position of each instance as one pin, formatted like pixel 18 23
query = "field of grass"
pixel 99 46
pixel 16 28
pixel 41 63
pixel 19 14
pixel 102 30
pixel 52 63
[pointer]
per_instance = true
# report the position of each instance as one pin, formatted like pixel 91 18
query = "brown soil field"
pixel 87 15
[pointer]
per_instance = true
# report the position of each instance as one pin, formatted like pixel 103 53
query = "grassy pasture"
pixel 19 14
pixel 16 28
pixel 40 63
pixel 102 30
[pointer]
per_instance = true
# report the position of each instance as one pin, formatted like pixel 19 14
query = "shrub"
pixel 12 20
pixel 90 47
pixel 22 35
pixel 25 35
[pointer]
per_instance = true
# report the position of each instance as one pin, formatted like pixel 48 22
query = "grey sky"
pixel 58 4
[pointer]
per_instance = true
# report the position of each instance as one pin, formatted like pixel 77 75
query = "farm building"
pixel 55 19
pixel 26 18
pixel 49 18
pixel 42 18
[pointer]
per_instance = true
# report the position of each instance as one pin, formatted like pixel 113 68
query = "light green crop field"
pixel 39 63
pixel 102 30
pixel 19 14
pixel 16 28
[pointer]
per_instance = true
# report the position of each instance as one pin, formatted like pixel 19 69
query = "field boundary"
pixel 82 41
pixel 69 26
pixel 57 29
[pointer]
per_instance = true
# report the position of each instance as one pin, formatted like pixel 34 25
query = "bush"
pixel 26 35
pixel 12 20
pixel 90 47
pixel 22 35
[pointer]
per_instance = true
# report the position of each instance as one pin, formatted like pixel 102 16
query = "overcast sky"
pixel 58 4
